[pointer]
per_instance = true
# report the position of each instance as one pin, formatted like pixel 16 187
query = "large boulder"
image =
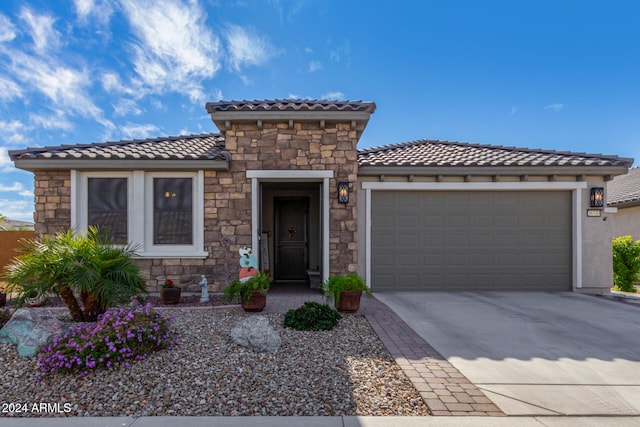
pixel 31 329
pixel 256 333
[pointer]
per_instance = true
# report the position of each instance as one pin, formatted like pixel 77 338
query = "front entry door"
pixel 291 217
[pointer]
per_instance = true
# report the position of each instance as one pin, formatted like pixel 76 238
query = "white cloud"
pixel 9 89
pixel 17 209
pixel 66 87
pixel 100 9
pixel 342 52
pixel 83 7
pixel 111 82
pixel 514 109
pixel 247 49
pixel 308 50
pixel 175 49
pixel 7 32
pixel 315 66
pixel 333 95
pixel 138 130
pixel 12 131
pixel 6 165
pixel 45 37
pixel 57 120
pixel 15 187
pixel 126 107
pixel 554 107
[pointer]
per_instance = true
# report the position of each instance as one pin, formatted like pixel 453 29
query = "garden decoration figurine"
pixel 205 290
pixel 248 264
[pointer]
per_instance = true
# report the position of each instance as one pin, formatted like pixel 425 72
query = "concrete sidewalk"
pixel 344 421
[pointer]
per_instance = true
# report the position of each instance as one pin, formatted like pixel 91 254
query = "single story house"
pixel 623 194
pixel 286 178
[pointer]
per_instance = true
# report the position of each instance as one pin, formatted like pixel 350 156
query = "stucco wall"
pixel 626 222
pixel 597 261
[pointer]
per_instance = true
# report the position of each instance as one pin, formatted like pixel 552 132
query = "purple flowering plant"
pixel 119 335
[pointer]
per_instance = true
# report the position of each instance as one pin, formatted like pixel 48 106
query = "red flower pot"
pixel 256 303
pixel 170 295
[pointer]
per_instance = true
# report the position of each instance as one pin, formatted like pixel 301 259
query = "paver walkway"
pixel 444 389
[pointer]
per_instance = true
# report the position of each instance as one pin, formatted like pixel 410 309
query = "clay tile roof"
pixel 451 154
pixel 624 189
pixel 208 146
pixel 291 105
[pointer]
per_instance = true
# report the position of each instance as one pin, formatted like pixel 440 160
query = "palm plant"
pixel 89 266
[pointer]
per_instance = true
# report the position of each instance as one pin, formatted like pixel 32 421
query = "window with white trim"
pixel 159 212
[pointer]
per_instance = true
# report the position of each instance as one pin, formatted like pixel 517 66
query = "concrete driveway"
pixel 534 353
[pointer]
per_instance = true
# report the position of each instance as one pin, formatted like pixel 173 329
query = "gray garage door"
pixel 481 240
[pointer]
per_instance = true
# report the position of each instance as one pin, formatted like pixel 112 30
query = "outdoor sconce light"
pixel 597 197
pixel 343 192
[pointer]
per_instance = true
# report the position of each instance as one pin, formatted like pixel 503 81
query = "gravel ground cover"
pixel 346 371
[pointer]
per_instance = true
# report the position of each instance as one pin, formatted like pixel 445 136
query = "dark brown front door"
pixel 291 215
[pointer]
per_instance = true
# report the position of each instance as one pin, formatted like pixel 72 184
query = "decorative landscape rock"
pixel 256 333
pixel 31 329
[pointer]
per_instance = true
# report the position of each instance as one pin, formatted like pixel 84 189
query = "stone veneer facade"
pixel 227 197
pixel 52 198
pixel 276 146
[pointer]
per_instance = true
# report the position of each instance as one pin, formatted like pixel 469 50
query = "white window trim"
pixel 575 187
pixel 140 200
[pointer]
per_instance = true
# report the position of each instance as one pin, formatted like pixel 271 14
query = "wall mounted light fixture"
pixel 597 197
pixel 343 192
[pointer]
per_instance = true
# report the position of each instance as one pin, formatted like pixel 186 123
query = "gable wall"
pixel 277 147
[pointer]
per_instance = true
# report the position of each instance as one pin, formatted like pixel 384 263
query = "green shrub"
pixel 312 316
pixel 626 263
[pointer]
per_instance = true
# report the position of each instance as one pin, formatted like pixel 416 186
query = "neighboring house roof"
pixel 434 153
pixel 624 190
pixel 291 105
pixel 208 146
pixel 12 224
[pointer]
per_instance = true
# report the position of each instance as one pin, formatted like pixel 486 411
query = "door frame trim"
pixel 576 189
pixel 323 176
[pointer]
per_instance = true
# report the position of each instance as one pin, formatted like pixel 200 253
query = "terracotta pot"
pixel 170 295
pixel 257 302
pixel 349 301
pixel 3 299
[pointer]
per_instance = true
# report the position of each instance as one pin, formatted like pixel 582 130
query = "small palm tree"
pixel 68 265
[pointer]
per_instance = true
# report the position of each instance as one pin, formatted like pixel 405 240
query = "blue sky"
pixel 561 75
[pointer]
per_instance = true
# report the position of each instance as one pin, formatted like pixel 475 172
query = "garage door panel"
pixel 471 240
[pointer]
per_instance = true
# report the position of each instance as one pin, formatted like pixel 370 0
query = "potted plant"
pixel 169 292
pixel 35 298
pixel 346 291
pixel 252 293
